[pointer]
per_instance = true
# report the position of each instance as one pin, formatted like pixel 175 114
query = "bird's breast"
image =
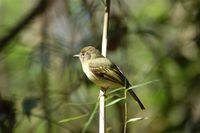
pixel 100 81
pixel 87 71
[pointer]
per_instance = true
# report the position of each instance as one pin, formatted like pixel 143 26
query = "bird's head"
pixel 88 53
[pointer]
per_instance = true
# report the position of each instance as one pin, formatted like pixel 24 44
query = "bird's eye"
pixel 83 54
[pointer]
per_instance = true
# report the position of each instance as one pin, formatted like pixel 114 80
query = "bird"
pixel 101 71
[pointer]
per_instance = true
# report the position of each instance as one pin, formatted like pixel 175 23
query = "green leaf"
pixel 73 118
pixel 115 101
pixel 132 87
pixel 90 118
pixel 108 98
pixel 115 90
pixel 143 84
pixel 136 119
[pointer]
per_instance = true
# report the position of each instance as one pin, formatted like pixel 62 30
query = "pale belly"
pixel 104 83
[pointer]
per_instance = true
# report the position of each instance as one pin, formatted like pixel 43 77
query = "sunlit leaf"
pixel 90 118
pixel 143 84
pixel 73 118
pixel 115 90
pixel 115 101
pixel 136 119
pixel 132 87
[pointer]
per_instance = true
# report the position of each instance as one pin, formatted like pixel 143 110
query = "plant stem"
pixel 102 126
pixel 125 111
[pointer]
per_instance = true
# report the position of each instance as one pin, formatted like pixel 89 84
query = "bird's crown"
pixel 91 50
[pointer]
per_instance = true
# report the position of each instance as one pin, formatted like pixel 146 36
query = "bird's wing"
pixel 107 70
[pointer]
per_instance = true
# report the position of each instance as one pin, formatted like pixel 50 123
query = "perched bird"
pixel 103 72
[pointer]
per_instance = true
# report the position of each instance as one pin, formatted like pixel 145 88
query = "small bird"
pixel 103 72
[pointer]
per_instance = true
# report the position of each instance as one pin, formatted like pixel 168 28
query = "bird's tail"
pixel 132 93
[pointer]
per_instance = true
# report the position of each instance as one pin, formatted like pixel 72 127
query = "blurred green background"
pixel 41 83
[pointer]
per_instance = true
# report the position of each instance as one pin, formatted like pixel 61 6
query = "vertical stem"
pixel 105 28
pixel 125 111
pixel 102 112
pixel 102 126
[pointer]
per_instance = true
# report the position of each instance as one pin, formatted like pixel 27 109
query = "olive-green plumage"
pixel 103 72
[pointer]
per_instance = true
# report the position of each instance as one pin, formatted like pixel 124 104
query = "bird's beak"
pixel 76 55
